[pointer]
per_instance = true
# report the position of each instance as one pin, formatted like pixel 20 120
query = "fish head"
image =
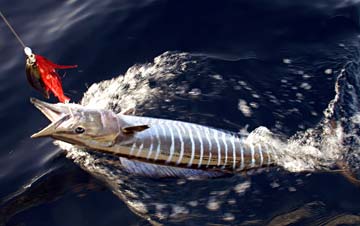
pixel 75 124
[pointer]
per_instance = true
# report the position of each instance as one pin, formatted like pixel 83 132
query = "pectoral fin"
pixel 134 129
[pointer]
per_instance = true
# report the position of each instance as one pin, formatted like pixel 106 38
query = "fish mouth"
pixel 56 113
pixel 50 129
pixel 46 132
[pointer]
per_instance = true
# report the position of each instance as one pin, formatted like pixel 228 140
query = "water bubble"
pixel 218 77
pixel 242 187
pixel 181 89
pixel 244 108
pixel 193 203
pixel 300 96
pixel 275 184
pixel 181 182
pixel 299 181
pixel 130 194
pixel 213 204
pixel 291 189
pixel 328 71
pixel 314 113
pixel 138 206
pixel 254 105
pixel 255 95
pixel 195 92
pixel 286 61
pixel 306 76
pixel 237 87
pixel 228 217
pixel 305 85
pixel 178 211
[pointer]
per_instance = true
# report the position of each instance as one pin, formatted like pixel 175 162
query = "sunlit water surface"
pixel 236 65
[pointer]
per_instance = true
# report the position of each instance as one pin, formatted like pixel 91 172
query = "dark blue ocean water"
pixel 291 51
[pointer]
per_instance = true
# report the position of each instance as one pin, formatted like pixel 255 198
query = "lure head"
pixel 30 56
pixel 42 76
pixel 33 74
pixel 95 129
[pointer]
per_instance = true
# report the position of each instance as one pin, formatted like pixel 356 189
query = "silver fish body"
pixel 153 140
pixel 190 145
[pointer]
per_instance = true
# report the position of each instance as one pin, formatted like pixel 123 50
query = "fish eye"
pixel 79 130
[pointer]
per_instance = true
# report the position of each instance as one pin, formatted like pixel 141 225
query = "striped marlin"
pixel 153 140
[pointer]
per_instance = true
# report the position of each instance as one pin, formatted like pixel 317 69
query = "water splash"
pixel 315 148
pixel 157 88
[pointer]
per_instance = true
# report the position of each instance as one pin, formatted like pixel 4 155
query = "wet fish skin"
pixel 153 140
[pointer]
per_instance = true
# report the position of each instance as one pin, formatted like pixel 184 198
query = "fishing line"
pixel 71 113
pixel 41 72
pixel 12 29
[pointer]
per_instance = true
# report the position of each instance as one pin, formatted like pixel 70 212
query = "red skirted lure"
pixel 41 74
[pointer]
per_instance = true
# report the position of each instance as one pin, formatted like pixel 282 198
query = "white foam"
pixel 304 151
pixel 244 108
